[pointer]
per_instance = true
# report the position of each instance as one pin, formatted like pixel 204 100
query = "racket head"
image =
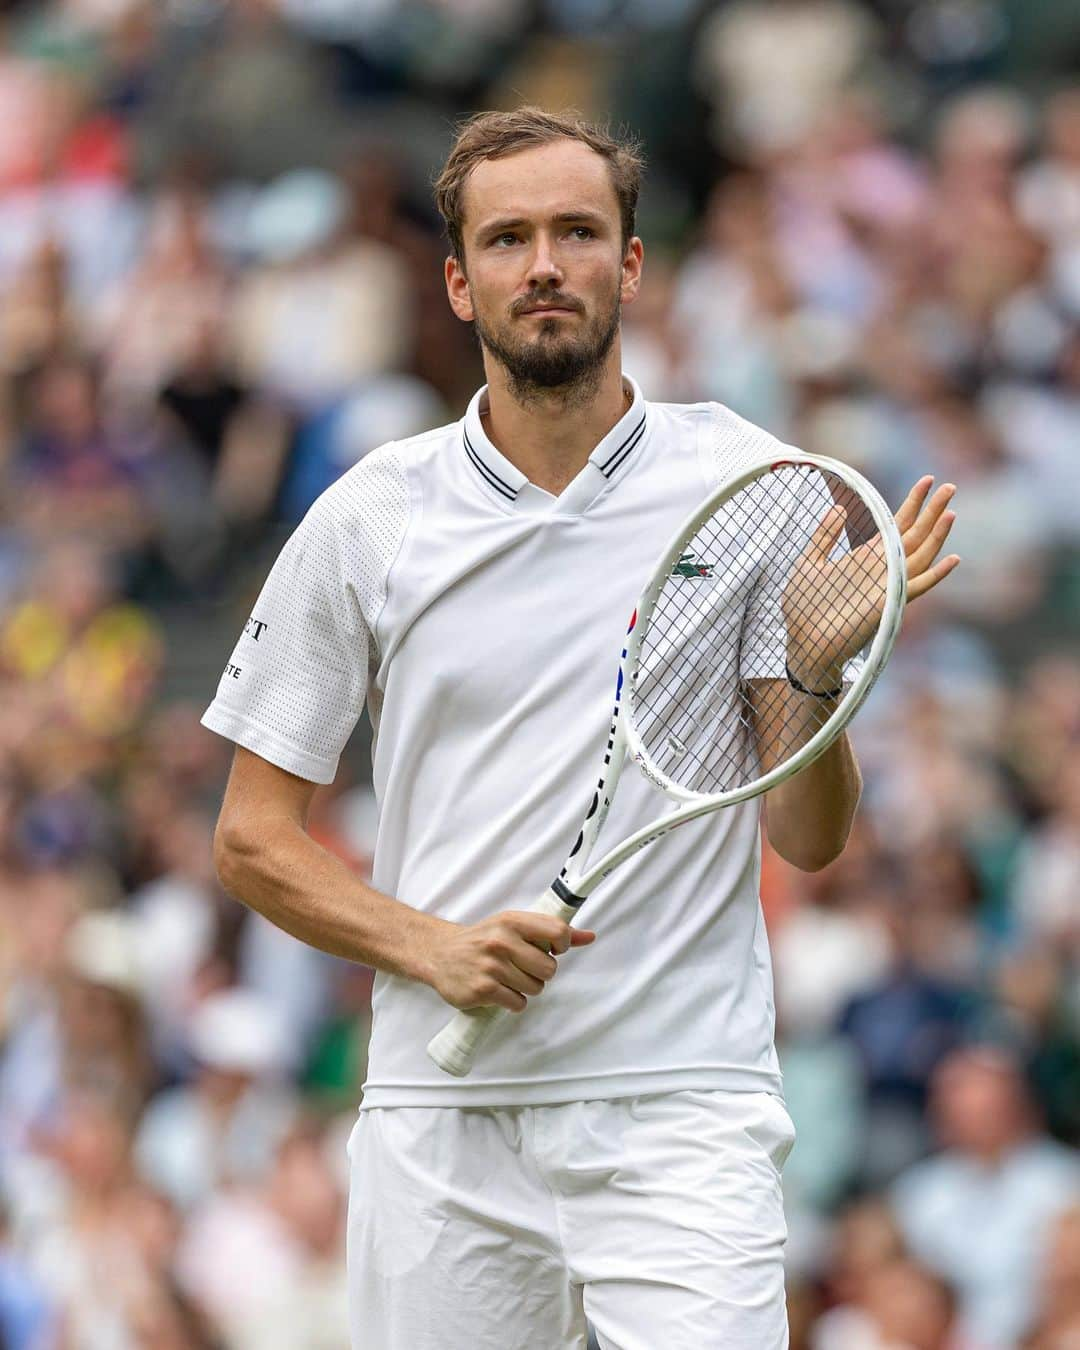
pixel 711 619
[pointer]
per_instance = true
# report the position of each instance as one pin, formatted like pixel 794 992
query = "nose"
pixel 544 269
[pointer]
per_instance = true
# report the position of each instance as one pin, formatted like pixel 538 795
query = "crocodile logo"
pixel 687 566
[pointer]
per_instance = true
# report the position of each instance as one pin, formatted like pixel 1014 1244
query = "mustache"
pixel 556 299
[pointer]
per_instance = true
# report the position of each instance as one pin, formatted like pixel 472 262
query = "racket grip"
pixel 454 1048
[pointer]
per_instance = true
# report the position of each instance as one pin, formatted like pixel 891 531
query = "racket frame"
pixel 577 881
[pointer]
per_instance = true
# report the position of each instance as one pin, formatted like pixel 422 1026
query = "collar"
pixel 608 461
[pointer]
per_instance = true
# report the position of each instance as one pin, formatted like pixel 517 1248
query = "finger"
pixel 928 518
pixel 921 559
pixel 827 533
pixel 533 961
pixel 499 997
pixel 581 937
pixel 930 578
pixel 912 504
pixel 542 930
pixel 513 977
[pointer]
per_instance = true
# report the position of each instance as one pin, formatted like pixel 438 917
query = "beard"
pixel 554 361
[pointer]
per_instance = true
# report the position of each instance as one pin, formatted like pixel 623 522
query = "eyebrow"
pixel 515 222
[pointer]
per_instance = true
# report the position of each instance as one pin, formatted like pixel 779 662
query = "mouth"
pixel 547 311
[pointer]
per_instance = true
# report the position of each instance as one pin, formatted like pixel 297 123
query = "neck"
pixel 549 434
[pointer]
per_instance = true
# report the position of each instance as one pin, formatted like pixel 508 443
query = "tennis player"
pixel 616 1151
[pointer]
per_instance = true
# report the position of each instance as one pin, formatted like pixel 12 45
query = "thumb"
pixel 828 532
pixel 581 937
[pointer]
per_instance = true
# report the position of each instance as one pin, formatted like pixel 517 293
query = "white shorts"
pixel 502 1228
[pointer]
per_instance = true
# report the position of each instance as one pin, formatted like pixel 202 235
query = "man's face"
pixel 545 273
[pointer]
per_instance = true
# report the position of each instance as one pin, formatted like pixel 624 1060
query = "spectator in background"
pixel 75 473
pixel 224 1126
pixel 769 70
pixel 903 1025
pixel 150 324
pixel 27 1320
pixel 979 1214
pixel 176 920
pixel 89 656
pixel 37 914
pixel 268 1262
pixel 99 1242
pixel 736 257
pixel 381 209
pixel 1049 192
pixel 903 1306
pixel 321 311
pixel 39 319
pixel 1005 526
pixel 834 944
pixel 234 77
pixel 102 1022
pixel 242 440
pixel 1047 879
pixel 1058 1326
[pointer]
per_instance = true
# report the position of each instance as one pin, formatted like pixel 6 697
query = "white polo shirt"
pixel 481 620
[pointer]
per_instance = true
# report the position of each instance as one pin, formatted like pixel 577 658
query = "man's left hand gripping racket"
pixel 762 628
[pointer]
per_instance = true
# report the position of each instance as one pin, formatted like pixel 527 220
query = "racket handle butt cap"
pixel 454 1048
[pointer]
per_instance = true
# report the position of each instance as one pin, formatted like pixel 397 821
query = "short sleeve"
pixel 763 650
pixel 295 685
pixel 730 445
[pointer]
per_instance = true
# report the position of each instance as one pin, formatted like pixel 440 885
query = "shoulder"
pixel 724 441
pixel 386 475
pixel 716 425
pixel 169 1109
pixel 1052 1166
pixel 930 1189
pixel 364 519
pixel 380 494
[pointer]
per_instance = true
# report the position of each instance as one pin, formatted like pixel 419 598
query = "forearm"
pixel 282 873
pixel 809 816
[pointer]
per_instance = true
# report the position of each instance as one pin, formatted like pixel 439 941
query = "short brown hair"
pixel 491 135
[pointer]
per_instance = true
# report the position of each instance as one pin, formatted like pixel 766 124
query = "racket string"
pixel 722 620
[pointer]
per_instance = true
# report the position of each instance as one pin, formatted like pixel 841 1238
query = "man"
pixel 980 1212
pixel 616 1151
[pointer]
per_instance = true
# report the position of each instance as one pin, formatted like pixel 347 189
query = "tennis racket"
pixel 760 632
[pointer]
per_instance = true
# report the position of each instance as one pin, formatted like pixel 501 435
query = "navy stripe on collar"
pixel 621 451
pixel 492 477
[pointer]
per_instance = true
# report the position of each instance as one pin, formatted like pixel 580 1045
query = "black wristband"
pixel 814 693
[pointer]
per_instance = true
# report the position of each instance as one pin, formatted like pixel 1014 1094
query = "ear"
pixel 457 289
pixel 632 264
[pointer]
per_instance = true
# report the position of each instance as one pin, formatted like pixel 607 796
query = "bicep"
pixel 257 792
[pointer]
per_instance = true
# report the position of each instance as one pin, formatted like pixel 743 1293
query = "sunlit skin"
pixel 542 228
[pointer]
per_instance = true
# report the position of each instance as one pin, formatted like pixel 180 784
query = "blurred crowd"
pixel 221 286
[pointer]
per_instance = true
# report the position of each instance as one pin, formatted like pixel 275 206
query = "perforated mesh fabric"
pixel 733 443
pixel 370 505
pixel 298 676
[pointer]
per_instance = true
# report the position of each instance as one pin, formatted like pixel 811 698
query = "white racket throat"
pixel 454 1048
